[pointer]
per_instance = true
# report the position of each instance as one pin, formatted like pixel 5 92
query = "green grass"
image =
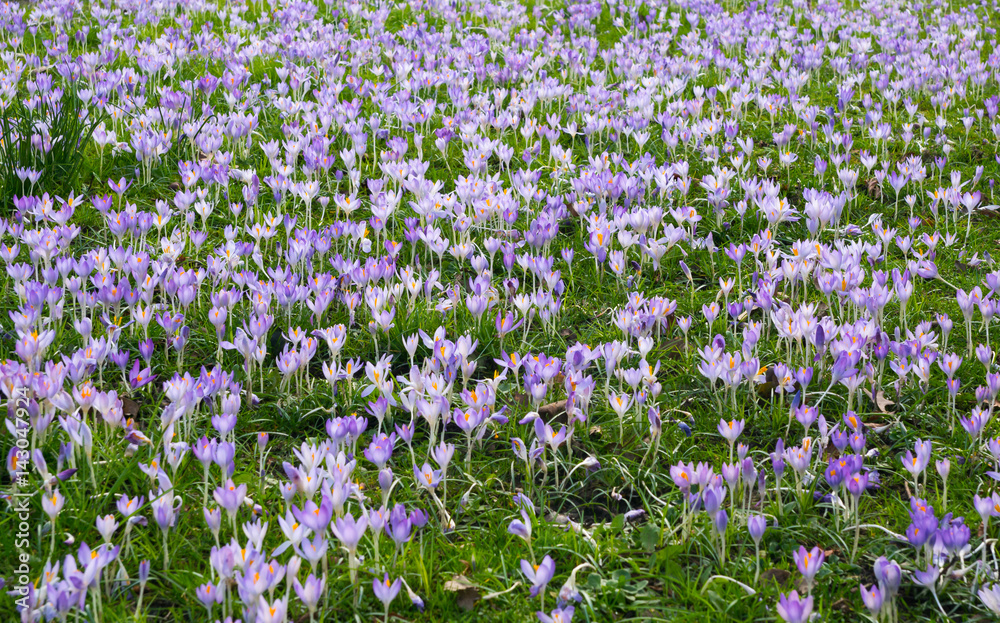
pixel 637 572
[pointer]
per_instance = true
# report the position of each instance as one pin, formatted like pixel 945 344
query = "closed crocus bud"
pixel 943 468
pixel 418 518
pixel 262 439
pixel 143 572
pixel 889 576
pixel 984 354
pixel 292 568
pixel 721 521
pixel 415 599
pixel 757 525
pixel 213 517
pixel 385 479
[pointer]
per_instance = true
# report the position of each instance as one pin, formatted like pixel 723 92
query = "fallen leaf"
pixel 467 599
pixel 130 408
pixel 880 401
pixel 467 592
pixel 457 583
pixel 873 188
pixel 552 409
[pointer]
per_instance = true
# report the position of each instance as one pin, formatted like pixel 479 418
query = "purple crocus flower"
pixel 928 577
pixel 756 524
pixel 792 609
pixel 349 531
pixel 427 477
pixel 310 592
pixel 809 563
pixel 539 575
pixel 386 590
pixel 209 595
pixel 230 496
pixel 872 599
pixel 559 615
pixel 521 527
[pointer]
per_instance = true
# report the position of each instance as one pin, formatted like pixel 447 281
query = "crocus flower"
pixel 349 532
pixel 386 591
pixel 809 563
pixel 230 496
pixel 309 593
pixel 209 595
pixel 792 609
pixel 991 598
pixel 427 477
pixel 274 612
pixel 539 575
pixel 53 503
pixel 559 615
pixel 872 599
pixel 730 431
pixel 928 577
pixel 521 528
pixel 756 525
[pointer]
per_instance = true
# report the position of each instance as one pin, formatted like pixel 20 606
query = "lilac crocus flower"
pixel 916 464
pixel 386 591
pixel 991 598
pixel 427 477
pixel 872 599
pixel 230 497
pixel 209 595
pixel 539 575
pixel 310 592
pixel 928 577
pixel 349 531
pixel 809 563
pixel 521 527
pixel 731 431
pixel 559 615
pixel 274 612
pixel 792 609
pixel 756 524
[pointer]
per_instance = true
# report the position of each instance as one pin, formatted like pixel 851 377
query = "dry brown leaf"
pixel 873 188
pixel 552 409
pixel 130 408
pixel 466 591
pixel 880 401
